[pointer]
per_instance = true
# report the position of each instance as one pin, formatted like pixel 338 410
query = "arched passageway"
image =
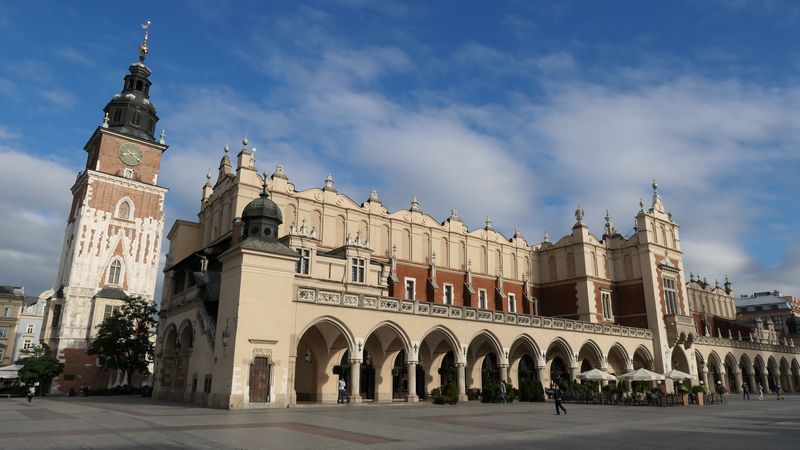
pixel 561 366
pixel 484 361
pixel 524 361
pixel 642 359
pixel 383 347
pixel 322 349
pixel 618 361
pixel 437 360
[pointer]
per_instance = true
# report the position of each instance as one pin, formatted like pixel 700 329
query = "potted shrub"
pixel 683 390
pixel 700 391
pixel 538 392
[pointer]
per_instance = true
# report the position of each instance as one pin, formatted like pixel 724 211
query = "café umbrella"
pixel 641 375
pixel 676 374
pixel 596 375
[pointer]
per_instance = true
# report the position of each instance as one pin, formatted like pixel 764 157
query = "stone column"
pixel 504 374
pixel 753 385
pixel 355 381
pixel 574 372
pixel 739 382
pixel 411 368
pixel 765 381
pixel 462 377
pixel 540 373
pixel 787 382
pixel 704 375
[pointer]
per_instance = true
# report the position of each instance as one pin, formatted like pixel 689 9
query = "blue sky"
pixel 516 110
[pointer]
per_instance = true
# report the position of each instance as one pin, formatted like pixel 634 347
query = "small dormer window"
pixel 137 118
pixel 117 115
pixel 358 266
pixel 150 126
pixel 139 85
pixel 128 173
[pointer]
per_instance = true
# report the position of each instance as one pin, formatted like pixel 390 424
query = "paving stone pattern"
pixel 133 422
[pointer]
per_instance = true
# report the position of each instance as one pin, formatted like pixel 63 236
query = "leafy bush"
pixel 447 394
pixel 526 390
pixel 640 386
pixel 491 390
pixel 682 388
pixel 624 386
pixel 700 388
pixel 473 394
pixel 538 391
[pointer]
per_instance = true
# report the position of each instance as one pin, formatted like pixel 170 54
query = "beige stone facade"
pixel 395 299
pixel 11 300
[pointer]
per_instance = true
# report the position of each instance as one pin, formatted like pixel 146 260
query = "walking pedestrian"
pixel 559 397
pixel 778 393
pixel 342 390
pixel 721 392
pixel 31 393
pixel 502 392
pixel 760 392
pixel 745 392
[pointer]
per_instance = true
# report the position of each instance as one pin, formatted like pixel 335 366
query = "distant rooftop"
pixel 763 298
pixel 12 290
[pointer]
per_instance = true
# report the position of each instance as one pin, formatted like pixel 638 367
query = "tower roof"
pixel 130 111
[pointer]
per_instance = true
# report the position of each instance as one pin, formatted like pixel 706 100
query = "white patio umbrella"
pixel 596 375
pixel 676 374
pixel 10 372
pixel 641 375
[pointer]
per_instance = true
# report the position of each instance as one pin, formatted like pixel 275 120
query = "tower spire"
pixel 143 50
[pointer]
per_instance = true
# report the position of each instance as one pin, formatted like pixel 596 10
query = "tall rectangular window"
pixel 605 297
pixel 359 266
pixel 411 288
pixel 2 353
pixel 303 266
pixel 3 332
pixel 483 303
pixel 56 316
pixel 670 295
pixel 448 294
pixel 512 303
pixel 30 329
pixel 7 312
pixel 207 384
pixel 27 344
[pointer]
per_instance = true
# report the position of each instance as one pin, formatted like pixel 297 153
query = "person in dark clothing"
pixel 745 392
pixel 558 395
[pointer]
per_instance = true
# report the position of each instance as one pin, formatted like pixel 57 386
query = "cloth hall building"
pixel 274 287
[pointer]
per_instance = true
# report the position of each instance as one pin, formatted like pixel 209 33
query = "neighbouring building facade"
pixel 275 287
pixel 113 235
pixel 29 330
pixel 11 300
pixel 782 311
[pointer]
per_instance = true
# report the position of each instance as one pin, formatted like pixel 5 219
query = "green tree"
pixel 124 340
pixel 38 367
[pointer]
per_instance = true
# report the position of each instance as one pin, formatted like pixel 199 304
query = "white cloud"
pixel 58 97
pixel 35 200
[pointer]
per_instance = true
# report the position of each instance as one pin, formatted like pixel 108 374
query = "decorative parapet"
pixel 735 343
pixel 389 304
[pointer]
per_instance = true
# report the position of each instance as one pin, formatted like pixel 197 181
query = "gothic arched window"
pixel 124 210
pixel 117 115
pixel 137 118
pixel 114 272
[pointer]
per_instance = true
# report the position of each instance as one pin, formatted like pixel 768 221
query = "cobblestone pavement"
pixel 132 422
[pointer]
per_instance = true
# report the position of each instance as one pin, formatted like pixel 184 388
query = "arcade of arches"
pixel 386 371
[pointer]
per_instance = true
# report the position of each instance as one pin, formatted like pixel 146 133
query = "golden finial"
pixel 143 48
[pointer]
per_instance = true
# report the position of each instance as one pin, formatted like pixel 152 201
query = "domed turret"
pixel 262 217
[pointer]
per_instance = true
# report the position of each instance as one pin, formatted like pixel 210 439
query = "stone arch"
pixel 773 371
pixel 618 361
pixel 384 344
pixel 435 346
pixel 795 370
pixel 323 344
pixel 590 357
pixel 170 338
pixel 716 370
pixel 168 360
pixel 642 358
pixel 748 374
pixel 524 360
pixel 679 359
pixel 560 360
pixel 484 344
pixel 785 375
pixel 185 336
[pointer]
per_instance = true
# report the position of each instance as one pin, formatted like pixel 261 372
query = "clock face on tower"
pixel 130 154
